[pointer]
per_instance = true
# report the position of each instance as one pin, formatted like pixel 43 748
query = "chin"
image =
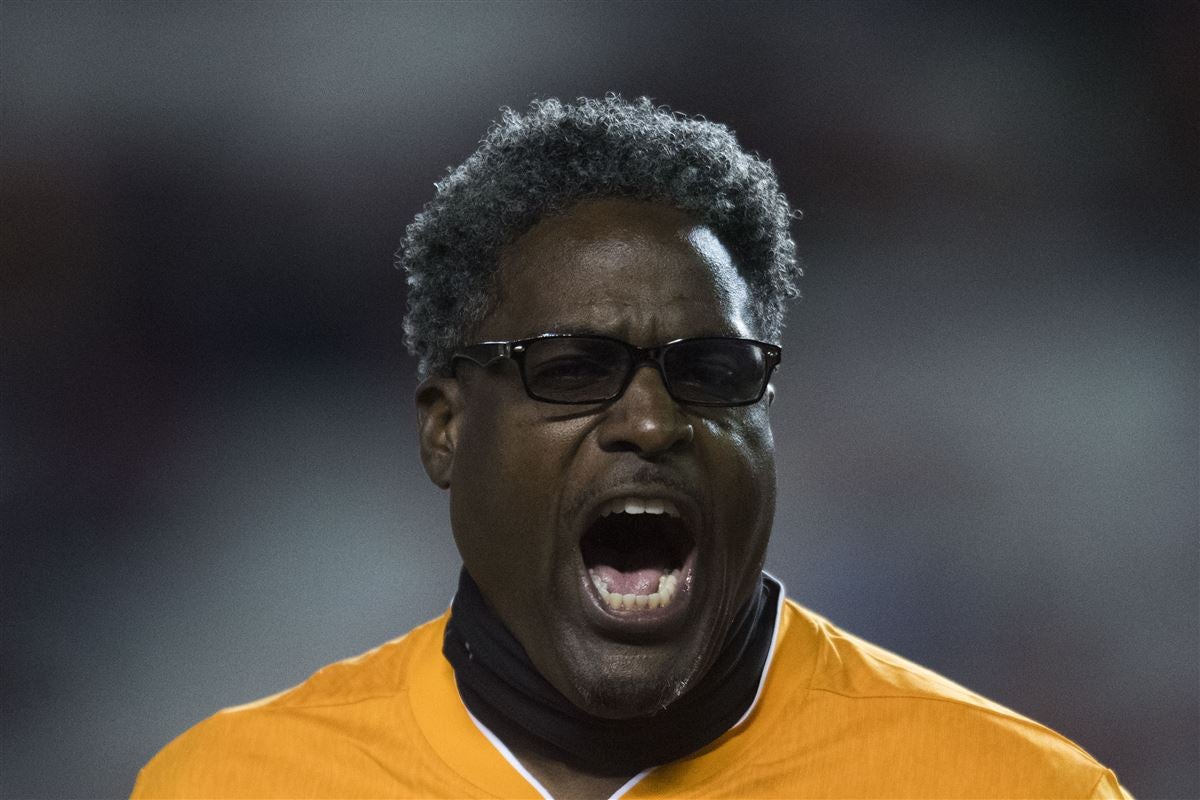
pixel 627 693
pixel 622 700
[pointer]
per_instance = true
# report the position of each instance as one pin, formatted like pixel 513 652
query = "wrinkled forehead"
pixel 623 264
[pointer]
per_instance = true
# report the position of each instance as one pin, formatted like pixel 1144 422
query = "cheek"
pixel 505 488
pixel 742 447
pixel 740 453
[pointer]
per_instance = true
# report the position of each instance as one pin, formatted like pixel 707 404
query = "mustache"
pixel 643 474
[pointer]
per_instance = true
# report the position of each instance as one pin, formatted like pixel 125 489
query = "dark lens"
pixel 575 369
pixel 717 371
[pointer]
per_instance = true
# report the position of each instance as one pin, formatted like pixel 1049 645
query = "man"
pixel 596 301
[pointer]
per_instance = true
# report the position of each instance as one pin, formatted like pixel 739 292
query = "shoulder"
pixel 299 742
pixel 855 668
pixel 887 710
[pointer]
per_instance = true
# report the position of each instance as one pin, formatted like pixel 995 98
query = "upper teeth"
pixel 637 505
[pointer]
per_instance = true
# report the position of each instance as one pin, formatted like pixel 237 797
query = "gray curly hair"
pixel 542 162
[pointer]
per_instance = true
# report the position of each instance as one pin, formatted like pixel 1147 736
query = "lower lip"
pixel 640 621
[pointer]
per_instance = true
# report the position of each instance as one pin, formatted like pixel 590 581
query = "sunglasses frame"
pixel 485 354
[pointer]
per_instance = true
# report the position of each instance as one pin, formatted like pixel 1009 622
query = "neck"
pixel 581 754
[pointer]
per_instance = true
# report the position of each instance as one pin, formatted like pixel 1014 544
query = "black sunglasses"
pixel 703 371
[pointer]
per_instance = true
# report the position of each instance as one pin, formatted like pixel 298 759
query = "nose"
pixel 645 419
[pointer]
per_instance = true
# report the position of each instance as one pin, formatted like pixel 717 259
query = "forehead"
pixel 627 268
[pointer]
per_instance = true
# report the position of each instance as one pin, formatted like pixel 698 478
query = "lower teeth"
pixel 667 587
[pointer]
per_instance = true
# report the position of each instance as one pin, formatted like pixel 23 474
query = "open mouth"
pixel 636 552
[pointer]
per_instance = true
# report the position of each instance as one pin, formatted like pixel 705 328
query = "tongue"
pixel 636 581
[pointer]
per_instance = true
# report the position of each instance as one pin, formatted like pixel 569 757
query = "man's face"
pixel 534 486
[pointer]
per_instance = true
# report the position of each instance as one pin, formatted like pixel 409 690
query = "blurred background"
pixel 987 414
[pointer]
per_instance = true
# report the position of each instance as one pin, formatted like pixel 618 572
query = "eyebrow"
pixel 586 330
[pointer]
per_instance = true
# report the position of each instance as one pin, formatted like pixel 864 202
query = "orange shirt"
pixel 836 717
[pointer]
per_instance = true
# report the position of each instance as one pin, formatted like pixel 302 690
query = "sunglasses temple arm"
pixel 484 355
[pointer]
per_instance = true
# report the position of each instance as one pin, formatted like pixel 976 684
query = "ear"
pixel 439 408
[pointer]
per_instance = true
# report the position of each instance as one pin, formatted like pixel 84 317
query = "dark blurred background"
pixel 987 415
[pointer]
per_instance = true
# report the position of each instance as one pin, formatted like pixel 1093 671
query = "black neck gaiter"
pixel 500 686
